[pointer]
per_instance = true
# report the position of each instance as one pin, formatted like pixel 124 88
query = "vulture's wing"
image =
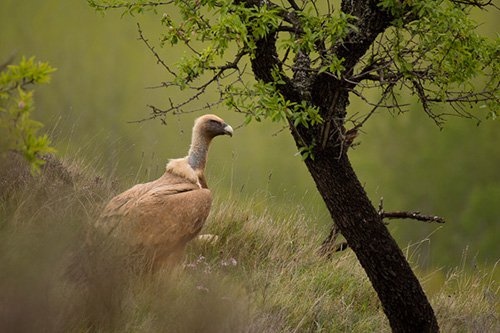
pixel 166 212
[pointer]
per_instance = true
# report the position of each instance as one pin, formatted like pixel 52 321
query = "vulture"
pixel 162 216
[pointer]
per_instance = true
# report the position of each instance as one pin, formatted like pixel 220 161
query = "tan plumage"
pixel 162 216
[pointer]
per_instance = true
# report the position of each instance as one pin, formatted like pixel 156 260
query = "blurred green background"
pixel 100 86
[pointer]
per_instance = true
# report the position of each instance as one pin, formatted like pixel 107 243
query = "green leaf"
pixel 19 131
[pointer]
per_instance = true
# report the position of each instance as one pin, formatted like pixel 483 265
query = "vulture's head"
pixel 210 126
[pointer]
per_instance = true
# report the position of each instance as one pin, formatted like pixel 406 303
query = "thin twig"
pixel 159 60
pixel 328 247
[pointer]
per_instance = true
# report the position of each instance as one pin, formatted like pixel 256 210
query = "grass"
pixel 263 275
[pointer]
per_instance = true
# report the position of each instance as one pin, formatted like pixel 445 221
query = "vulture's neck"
pixel 197 156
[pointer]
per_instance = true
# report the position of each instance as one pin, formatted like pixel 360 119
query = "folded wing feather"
pixel 162 215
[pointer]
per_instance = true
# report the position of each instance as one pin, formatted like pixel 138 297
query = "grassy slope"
pixel 263 275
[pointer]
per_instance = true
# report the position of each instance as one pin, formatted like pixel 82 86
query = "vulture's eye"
pixel 215 122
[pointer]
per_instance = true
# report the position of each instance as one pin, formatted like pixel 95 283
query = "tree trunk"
pixel 400 293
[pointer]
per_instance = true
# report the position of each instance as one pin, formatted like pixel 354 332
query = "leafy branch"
pixel 131 8
pixel 428 48
pixel 18 131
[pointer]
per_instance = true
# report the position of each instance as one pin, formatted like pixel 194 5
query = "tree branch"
pixel 159 60
pixel 328 247
pixel 294 4
pixel 407 215
pixel 371 21
pixel 476 3
pixel 233 64
pixel 128 5
pixel 412 215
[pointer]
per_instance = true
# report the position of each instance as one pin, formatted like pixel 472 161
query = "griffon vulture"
pixel 162 216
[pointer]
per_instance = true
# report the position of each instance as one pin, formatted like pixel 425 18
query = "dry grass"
pixel 263 275
pixel 468 302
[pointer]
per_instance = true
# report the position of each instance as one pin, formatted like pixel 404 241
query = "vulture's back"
pixel 162 215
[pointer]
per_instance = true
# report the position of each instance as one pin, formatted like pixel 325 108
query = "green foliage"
pixel 18 130
pixel 129 7
pixel 262 101
pixel 326 30
pixel 433 49
pixel 219 23
pixel 222 25
pixel 215 24
pixel 443 51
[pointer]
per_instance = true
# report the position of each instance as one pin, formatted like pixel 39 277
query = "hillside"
pixel 263 275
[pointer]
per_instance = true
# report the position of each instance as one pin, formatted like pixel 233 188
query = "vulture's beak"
pixel 228 130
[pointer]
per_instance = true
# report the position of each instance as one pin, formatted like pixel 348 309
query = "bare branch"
pixel 407 215
pixel 159 60
pixel 328 247
pixel 372 111
pixel 412 215
pixel 476 3
pixel 233 64
pixel 467 97
pixel 424 100
pixel 178 108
